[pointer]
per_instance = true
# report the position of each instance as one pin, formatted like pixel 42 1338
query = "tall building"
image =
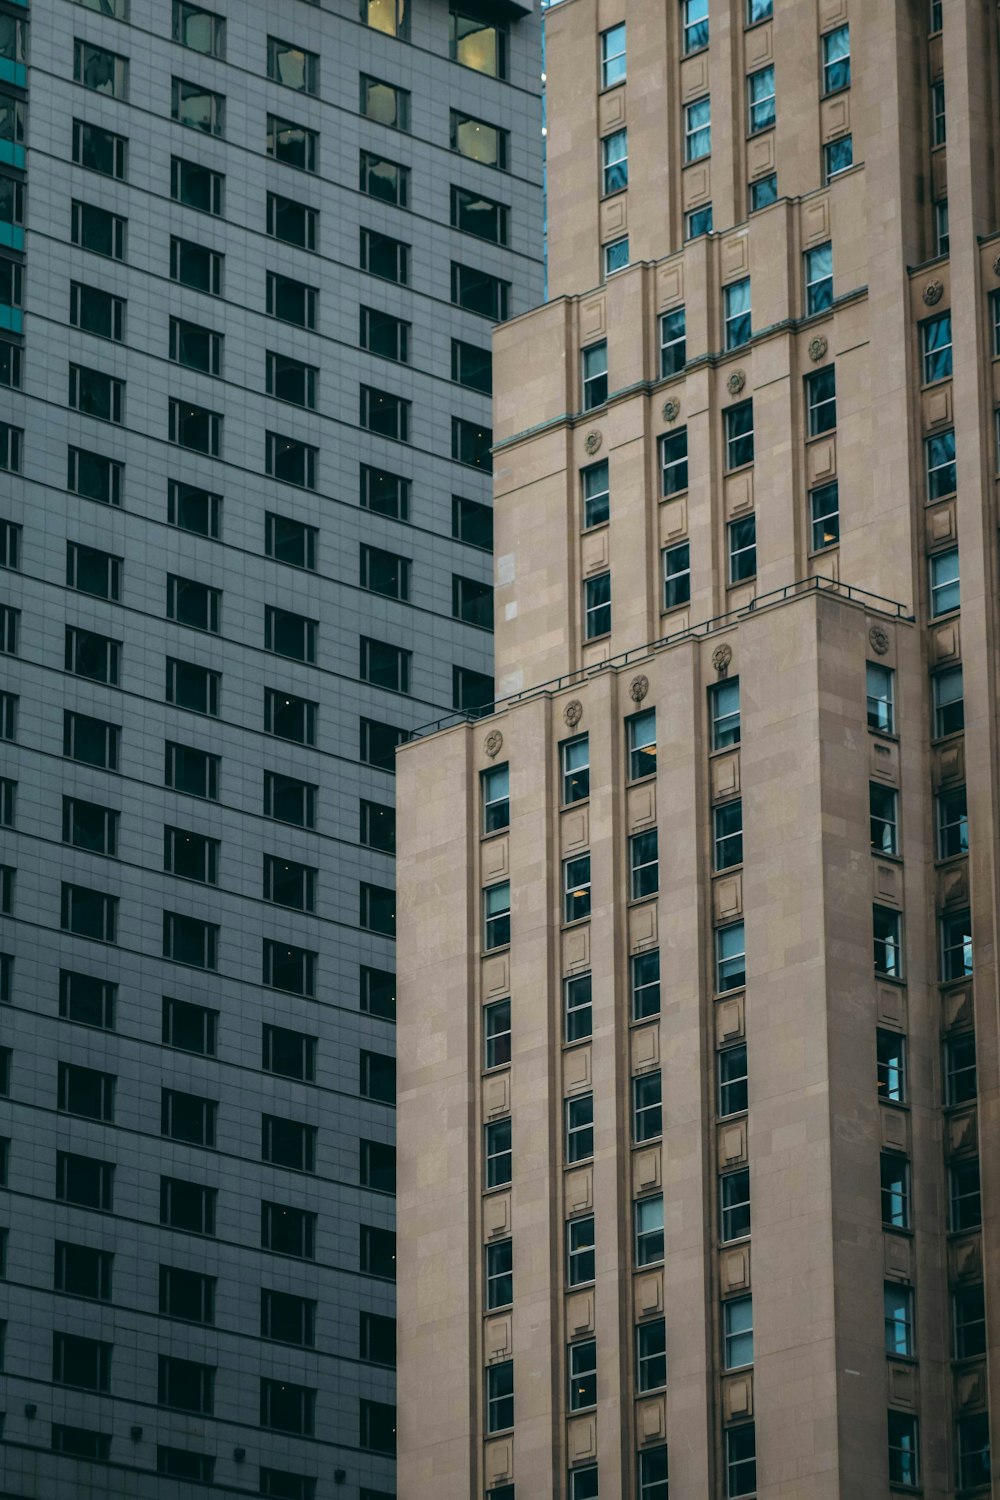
pixel 699 1037
pixel 249 260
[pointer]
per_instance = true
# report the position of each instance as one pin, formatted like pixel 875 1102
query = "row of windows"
pixel 694 35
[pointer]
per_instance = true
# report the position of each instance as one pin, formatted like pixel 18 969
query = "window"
pixel 496 916
pixel 195 427
pixel 288 1143
pixel 288 968
pixel 104 72
pixel 389 16
pixel 969 1321
pixel 579 1128
pixel 81 1442
pixel 188 940
pixel 90 741
pixel 742 535
pixel 377 1335
pixel 193 687
pixel 644 864
pixel 291 461
pixel 733 1087
pixel 289 541
pixel 895 1187
pixel 385 257
pixel 87 1092
pixel 614 157
pixel 676 575
pixel 471 692
pixel 887 928
pixel 198 30
pixel 949 701
pixel 377 1077
pixel 904 1467
pixel 613 55
pixel 10 365
pixel 95 477
pixel 760 100
pixel 734 1200
pixel 499 1274
pixel 383 665
pixel 730 958
pixel 956 946
pixel 824 516
pixel 597 606
pixel 640 732
pixel 193 509
pixel 821 400
pixel 189 1027
pixel 288 1231
pixel 995 321
pixel 960 1068
pixel 378 826
pixel 694 16
pixel 645 984
pixel 185 1385
pixel 596 494
pixel 385 413
pixel 583 1483
pixel 673 341
pixel 8 717
pixel 580 1266
pixel 479 292
pixel 87 1000
pixel 472 213
pixel 90 655
pixel 81 1362
pixel 378 744
pixel 575 762
pixel 728 835
pixel 883 807
pixel 187 1295
pixel 289 883
pixel 293 223
pixel 881 698
pixel 898 1305
pixel 193 604
pixel 290 1054
pixel 85 1181
pixel 759 10
pixel 890 1049
pixel 96 312
pixel 292 66
pixel 649 1230
pixel 496 1034
pixel 89 913
pixel 378 992
pixel 674 462
pixel 291 301
pixel 647 1107
pixel 944 582
pixel 697 130
pixel 187 1205
pixel 819 277
pixel 96 394
pixel 12 129
pixel 577 992
pixel 576 888
pixel 498 1153
pixel 193 105
pixel 385 335
pixel 378 1252
pixel 477 43
pixel 653 1474
pixel 952 823
pixel 972 1434
pixel 836 59
pixel 581 1371
pixel 478 140
pixel 288 634
pixel 763 192
pixel 939 120
pixel 936 348
pixel 181 1463
pixel 737 1333
pixel 378 1426
pixel 289 800
pixel 385 103
pixel 193 771
pixel 495 784
pixel 197 186
pixel 741 1457
pixel 290 380
pixel 92 572
pixel 838 157
pixel 739 434
pixel 291 143
pixel 86 825
pixel 500 1396
pixel 615 256
pixel 187 1117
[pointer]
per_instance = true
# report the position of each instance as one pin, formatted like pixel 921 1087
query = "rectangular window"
pixel 575 764
pixel 673 341
pixel 616 256
pixel 694 16
pixel 288 1143
pixel 384 493
pixel 81 1442
pixel 960 1085
pixel 81 1362
pixel 739 435
pixel 95 477
pixel 495 785
pixel 385 102
pixel 87 1092
pixel 197 186
pixel 289 379
pixel 583 1483
pixel 86 1000
pixel 96 394
pixel 472 213
pixel 728 835
pixel 88 654
pixel 613 55
pixel 289 883
pixel 197 107
pixel 952 823
pixel 290 1231
pixel 11 442
pixel 288 800
pixel 596 494
pixel 949 701
pixel 378 1427
pixel 824 516
pixel 288 634
pixel 8 717
pixel 477 42
pixel 614 158
pixel 760 100
pixel 86 825
pixel 89 913
pixel 478 140
pixel 377 1341
pixel 187 1117
pixel 96 149
pixel 884 817
pixel 838 157
pixel 189 1027
pixel 595 375
pixel 91 741
pixel 385 335
pixel 184 1385
pixel 936 348
pixel 580 1255
pixel 733 1081
pixel 890 1050
pixel 479 292
pixel 377 993
pixel 83 1272
pixel 496 916
pixel 730 958
pixel 737 1333
pixel 734 1205
pixel 576 888
pixel 972 1435
pixel 378 744
pixel 742 535
pixel 195 427
pixel 676 575
pixel 10 365
pixel 644 864
pixel 187 1295
pixel 378 826
pixel 199 30
pixel 498 1153
pixel 385 413
pixel 904 1454
pixel 645 984
pixel 290 541
pixel 887 927
pixel 968 1310
pixel 499 1274
pixel 85 1181
pixel 291 222
pixel 496 1034
pixel 674 462
pixel 96 311
pixel 945 589
pixel 697 129
pixel 187 1205
pixel 836 47
pixel 292 144
pixel 191 856
pixel 193 771
pixel 193 687
pixel 385 257
pixel 192 509
pixel 500 1396
pixel 92 572
pixel 763 192
pixel 895 1186
pixel 288 968
pixel 647 1107
pixel 939 119
pixel 581 1371
pixel 384 665
pixel 292 66
pixel 898 1306
pixel 182 1463
pixel 819 277
pixel 640 731
pixel 579 1142
pixel 289 1054
pixel 291 301
pixel 189 940
pixel 881 698
pixel 821 401
pixel 956 946
pixel 648 1214
pixel 289 460
pixel 995 322
pixel 577 992
pixel 741 1451
pixel 194 604
pixel 597 606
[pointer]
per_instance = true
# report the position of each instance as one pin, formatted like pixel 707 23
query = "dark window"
pixel 474 214
pixel 89 825
pixel 728 835
pixel 384 493
pixel 645 978
pixel 377 1426
pixel 378 992
pixel 292 222
pixel 289 800
pixel 479 292
pixel 289 883
pixel 195 106
pixel 890 1052
pixel 89 913
pixel 188 940
pixel 291 301
pixel 193 771
pixel 92 572
pixel 385 413
pixel 96 149
pixel 378 1252
pixel 647 1107
pixel 191 855
pixel 378 826
pixel 292 143
pixel 85 1181
pixel 472 601
pixel 279 1484
pixel 969 1322
pixel 471 692
pixel 384 179
pixel 187 1117
pixel 904 1450
pixel 960 1082
pixel 81 1362
pixel 733 1089
pixel 742 535
pixel 383 256
pixel 198 29
pixel 190 1027
pixel 676 575
pixel 964 1198
pixel 289 718
pixel 86 999
pixel 195 346
pixel 288 1231
pixel 192 509
pixel 472 366
pixel 385 665
pixel 291 1054
pixel 500 1396
pixel 734 1205
pixel 288 968
pixel 91 655
pixel 292 461
pixel 383 334
pixel 579 1128
pixel 478 140
pixel 289 634
pixel 94 477
pixel 378 744
pixel 472 523
pixel 895 1189
pixel 96 394
pixel 290 380
pixel 821 400
pixel 187 1205
pixel 739 435
pixel 195 427
pixel 972 1433
pixel 377 1077
pixel 185 1385
pixel 96 311
pixel 91 741
pixel 193 687
pixel 596 494
pixel 384 572
pixel 471 444
pixel 98 230
pixel 287 1319
pixel 188 1295
pixel 182 1463
pixel 724 713
pixel 82 1271
pixel 194 604
pixel 377 1339
pixel 197 186
pixel 377 908
pixel 949 701
pixel 10 365
pixel 378 1166
pixel 496 1034
pixel 288 1143
pixel 81 1442
pixel 290 541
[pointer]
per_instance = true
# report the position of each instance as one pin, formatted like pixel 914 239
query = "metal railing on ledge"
pixel 818 584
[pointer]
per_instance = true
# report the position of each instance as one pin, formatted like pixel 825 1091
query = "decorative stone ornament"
pixel 671 410
pixel 721 657
pixel 592 441
pixel 493 743
pixel 638 688
pixel 933 292
pixel 573 712
pixel 879 639
pixel 736 382
pixel 817 347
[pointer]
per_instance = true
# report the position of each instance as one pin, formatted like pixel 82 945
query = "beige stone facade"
pixel 698 1084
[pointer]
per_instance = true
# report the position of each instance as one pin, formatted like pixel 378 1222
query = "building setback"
pixel 698 1086
pixel 250 256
